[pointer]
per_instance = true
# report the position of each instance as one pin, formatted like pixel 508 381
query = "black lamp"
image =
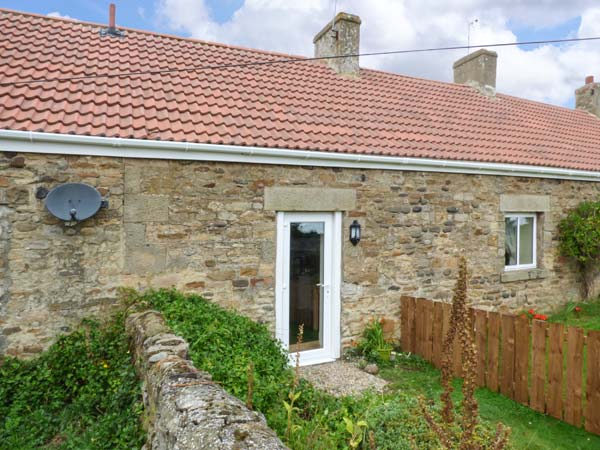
pixel 355 232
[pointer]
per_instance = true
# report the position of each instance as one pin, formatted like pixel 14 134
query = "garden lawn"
pixel 588 316
pixel 530 430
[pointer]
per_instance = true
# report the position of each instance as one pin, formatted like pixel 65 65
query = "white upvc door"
pixel 308 278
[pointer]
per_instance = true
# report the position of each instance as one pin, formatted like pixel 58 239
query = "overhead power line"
pixel 282 61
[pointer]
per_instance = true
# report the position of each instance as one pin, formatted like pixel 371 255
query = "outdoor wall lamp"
pixel 355 232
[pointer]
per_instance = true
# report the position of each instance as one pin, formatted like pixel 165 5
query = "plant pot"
pixel 384 353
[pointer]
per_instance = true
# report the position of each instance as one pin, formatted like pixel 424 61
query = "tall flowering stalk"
pixel 460 433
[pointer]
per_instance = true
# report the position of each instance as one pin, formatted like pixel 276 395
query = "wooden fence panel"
pixel 419 318
pixel 521 386
pixel 491 377
pixel 554 391
pixel 481 344
pixel 437 335
pixel 592 407
pixel 427 329
pixel 574 400
pixel 526 362
pixel 538 366
pixel 405 323
pixel 507 357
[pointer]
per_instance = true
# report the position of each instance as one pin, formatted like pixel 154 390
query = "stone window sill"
pixel 523 275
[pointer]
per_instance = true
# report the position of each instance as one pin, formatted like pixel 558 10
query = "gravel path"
pixel 341 378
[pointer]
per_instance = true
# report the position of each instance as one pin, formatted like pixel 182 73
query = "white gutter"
pixel 66 144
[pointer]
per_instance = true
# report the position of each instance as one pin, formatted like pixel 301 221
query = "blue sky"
pixel 130 13
pixel 547 73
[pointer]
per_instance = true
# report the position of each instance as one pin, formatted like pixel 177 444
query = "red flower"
pixel 531 311
pixel 577 309
pixel 540 317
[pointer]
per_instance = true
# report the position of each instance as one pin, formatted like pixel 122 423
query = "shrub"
pixel 82 393
pixel 464 432
pixel 224 344
pixel 579 237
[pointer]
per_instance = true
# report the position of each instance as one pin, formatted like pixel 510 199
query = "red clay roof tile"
pixel 302 105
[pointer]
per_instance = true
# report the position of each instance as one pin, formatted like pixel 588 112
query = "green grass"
pixel 224 343
pixel 587 318
pixel 82 393
pixel 530 430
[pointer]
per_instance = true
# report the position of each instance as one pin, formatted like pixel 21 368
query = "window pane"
pixel 526 240
pixel 510 246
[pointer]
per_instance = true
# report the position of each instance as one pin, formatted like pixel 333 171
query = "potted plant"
pixel 385 350
pixel 373 345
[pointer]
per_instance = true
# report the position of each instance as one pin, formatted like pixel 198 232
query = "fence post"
pixel 481 344
pixel 522 359
pixel 507 356
pixel 438 336
pixel 491 377
pixel 574 401
pixel 407 321
pixel 554 394
pixel 592 408
pixel 538 373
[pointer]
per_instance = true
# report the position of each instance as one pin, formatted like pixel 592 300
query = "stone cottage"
pixel 237 174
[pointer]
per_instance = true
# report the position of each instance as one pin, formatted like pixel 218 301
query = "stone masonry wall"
pixel 202 227
pixel 185 409
pixel 54 275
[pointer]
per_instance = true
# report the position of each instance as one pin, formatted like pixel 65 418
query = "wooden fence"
pixel 548 367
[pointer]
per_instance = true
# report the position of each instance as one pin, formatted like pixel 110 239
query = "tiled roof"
pixel 301 105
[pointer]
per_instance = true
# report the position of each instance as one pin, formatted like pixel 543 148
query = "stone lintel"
pixel 309 199
pixel 524 203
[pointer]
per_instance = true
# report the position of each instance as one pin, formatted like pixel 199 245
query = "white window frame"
pixel 519 217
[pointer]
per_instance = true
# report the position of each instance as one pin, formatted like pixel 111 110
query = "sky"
pixel 547 73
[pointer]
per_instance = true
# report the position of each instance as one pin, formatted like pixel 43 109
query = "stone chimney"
pixel 340 37
pixel 587 97
pixel 477 69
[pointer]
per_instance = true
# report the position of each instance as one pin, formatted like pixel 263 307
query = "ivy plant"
pixel 579 239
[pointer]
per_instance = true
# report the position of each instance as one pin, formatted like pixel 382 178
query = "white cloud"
pixel 547 73
pixel 58 14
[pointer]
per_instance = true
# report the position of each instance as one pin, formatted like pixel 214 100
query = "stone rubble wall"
pixel 186 410
pixel 204 228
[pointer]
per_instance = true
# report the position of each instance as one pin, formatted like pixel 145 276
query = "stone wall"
pixel 203 227
pixel 185 409
pixel 56 274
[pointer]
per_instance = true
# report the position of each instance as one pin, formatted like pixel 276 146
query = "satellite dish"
pixel 74 201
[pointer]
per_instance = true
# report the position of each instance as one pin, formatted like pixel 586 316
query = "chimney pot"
pixel 340 37
pixel 587 97
pixel 112 9
pixel 478 69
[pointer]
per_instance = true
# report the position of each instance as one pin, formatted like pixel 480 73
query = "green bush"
pixel 579 236
pixel 82 393
pixel 223 343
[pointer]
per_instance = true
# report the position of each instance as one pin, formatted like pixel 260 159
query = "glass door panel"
pixel 306 285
